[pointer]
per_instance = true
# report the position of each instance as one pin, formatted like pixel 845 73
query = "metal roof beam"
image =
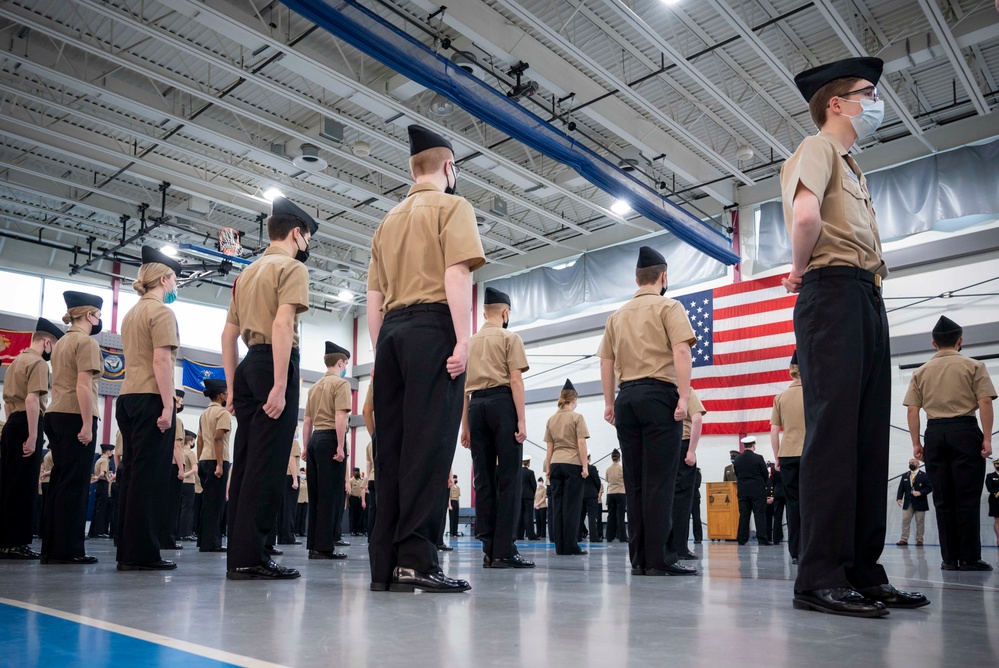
pixel 954 55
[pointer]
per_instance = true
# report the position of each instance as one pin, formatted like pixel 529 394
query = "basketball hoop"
pixel 229 241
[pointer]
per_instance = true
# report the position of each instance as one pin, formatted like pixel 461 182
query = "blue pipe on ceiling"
pixel 384 42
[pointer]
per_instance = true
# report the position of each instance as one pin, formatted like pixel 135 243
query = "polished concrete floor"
pixel 570 611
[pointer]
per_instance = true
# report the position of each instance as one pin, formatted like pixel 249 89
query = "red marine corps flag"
pixel 11 344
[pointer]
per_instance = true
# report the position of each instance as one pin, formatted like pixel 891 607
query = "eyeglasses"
pixel 870 92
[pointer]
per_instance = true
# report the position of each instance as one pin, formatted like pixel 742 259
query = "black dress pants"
pixel 356 513
pixel 617 505
pixel 175 488
pixel 541 520
pixel 588 518
pixel 650 455
pixel 260 457
pixel 777 533
pixel 65 519
pixel 146 491
pixel 212 504
pixel 18 480
pixel 790 471
pixel 302 519
pixel 115 513
pixel 440 517
pixel 420 405
pixel 756 507
pixel 496 464
pixel 372 507
pixel 185 518
pixel 453 510
pixel 683 500
pixel 196 521
pixel 695 517
pixel 99 517
pixel 325 477
pixel 842 334
pixel 289 504
pixel 566 504
pixel 525 525
pixel 952 450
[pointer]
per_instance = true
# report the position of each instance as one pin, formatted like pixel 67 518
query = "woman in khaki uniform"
pixel 71 427
pixel 213 465
pixel 566 435
pixel 146 413
pixel 541 509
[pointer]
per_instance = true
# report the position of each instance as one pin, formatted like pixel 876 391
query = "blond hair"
pixel 794 371
pixel 149 277
pixel 566 397
pixel 430 161
pixel 78 312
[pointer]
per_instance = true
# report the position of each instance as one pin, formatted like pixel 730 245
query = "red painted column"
pixel 108 400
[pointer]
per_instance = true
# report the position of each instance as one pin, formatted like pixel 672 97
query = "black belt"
pixel 481 394
pixel 262 348
pixel 647 381
pixel 839 272
pixel 419 308
pixel 323 431
pixel 964 419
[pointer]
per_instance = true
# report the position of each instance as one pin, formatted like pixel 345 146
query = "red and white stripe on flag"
pixel 745 340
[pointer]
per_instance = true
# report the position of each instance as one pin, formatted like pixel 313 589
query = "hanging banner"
pixel 113 365
pixel 195 374
pixel 11 344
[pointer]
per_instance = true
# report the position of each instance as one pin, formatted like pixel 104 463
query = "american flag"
pixel 745 338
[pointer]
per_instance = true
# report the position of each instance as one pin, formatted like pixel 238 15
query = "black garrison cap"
pixel 568 386
pixel 649 257
pixel 189 434
pixel 150 254
pixel 180 393
pixel 282 205
pixel 74 299
pixel 810 81
pixel 214 387
pixel 494 296
pixel 332 348
pixel 946 326
pixel 48 327
pixel 420 139
pixel 794 357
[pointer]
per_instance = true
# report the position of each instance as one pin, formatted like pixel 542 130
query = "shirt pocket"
pixel 853 188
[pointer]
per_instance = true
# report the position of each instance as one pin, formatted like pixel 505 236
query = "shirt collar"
pixel 150 295
pixel 796 383
pixel 332 373
pixel 647 290
pixel 76 328
pixel 946 353
pixel 31 351
pixel 835 142
pixel 488 324
pixel 426 186
pixel 276 250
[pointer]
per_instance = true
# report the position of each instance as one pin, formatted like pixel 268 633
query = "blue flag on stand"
pixel 195 374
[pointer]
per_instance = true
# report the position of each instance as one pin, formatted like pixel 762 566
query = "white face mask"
pixel 869 119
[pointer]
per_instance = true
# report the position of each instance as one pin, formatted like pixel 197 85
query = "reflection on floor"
pixel 569 611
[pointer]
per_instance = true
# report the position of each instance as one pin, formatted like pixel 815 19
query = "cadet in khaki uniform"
pixel 214 429
pixel 325 433
pixel 147 416
pixel 169 539
pixel 842 332
pixel 71 428
pixel 565 464
pixel 25 388
pixel 43 488
pixel 289 501
pixel 267 300
pixel 617 500
pixel 100 518
pixel 368 412
pixel 419 298
pixel 541 509
pixel 683 497
pixel 646 349
pixel 950 388
pixel 493 427
pixel 190 491
pixel 302 515
pixel 789 414
pixel 356 501
pixel 454 506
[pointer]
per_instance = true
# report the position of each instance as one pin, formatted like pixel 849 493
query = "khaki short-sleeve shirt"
pixel 849 235
pixel 179 435
pixel 564 429
pixel 296 453
pixel 357 487
pixel 27 374
pixel 149 325
pixel 214 418
pixel 541 497
pixel 493 352
pixel 949 385
pixel 190 462
pixel 694 405
pixel 455 493
pixel 303 490
pixel 369 396
pixel 419 238
pixel 274 279
pixel 74 353
pixel 640 336
pixel 789 413
pixel 330 394
pixel 615 479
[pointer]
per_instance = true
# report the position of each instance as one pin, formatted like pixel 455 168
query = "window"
pixel 22 295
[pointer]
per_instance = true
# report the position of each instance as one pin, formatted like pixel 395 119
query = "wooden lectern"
pixel 723 511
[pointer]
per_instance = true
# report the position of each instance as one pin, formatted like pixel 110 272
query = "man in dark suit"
pixel 528 486
pixel 753 480
pixel 775 510
pixel 913 497
pixel 591 490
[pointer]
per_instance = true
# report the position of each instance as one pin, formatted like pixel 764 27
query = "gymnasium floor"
pixel 570 611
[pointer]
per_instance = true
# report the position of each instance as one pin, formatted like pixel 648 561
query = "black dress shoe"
pixel 342 543
pixel 273 551
pixel 794 561
pixel 973 566
pixel 216 549
pixel 516 561
pixel 688 556
pixel 637 570
pixel 175 546
pixel 22 552
pixel 895 598
pixel 697 542
pixel 673 569
pixel 318 554
pixel 487 561
pixel 407 580
pixel 189 539
pixel 76 561
pixel 445 548
pixel 265 571
pixel 763 541
pixel 161 565
pixel 379 586
pixel 839 601
pixel 948 565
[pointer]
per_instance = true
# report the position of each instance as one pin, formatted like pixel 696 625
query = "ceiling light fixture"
pixel 345 296
pixel 620 207
pixel 361 148
pixel 271 193
pixel 169 250
pixel 441 106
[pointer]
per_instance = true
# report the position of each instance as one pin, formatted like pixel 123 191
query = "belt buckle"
pixel 877 280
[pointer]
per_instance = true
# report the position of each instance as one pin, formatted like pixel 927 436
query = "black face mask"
pixel 46 356
pixel 96 329
pixel 913 467
pixel 506 323
pixel 303 255
pixel 180 408
pixel 452 189
pixel 662 292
